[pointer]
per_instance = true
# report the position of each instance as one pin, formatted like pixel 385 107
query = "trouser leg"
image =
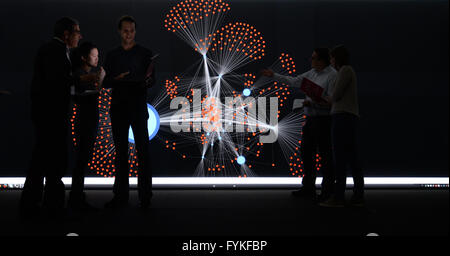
pixel 86 133
pixel 340 153
pixel 141 137
pixel 308 152
pixel 56 164
pixel 34 182
pixel 120 126
pixel 354 161
pixel 325 153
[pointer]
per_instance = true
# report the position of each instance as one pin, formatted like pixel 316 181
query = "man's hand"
pixel 121 76
pixel 327 98
pixel 5 92
pixel 267 72
pixel 307 103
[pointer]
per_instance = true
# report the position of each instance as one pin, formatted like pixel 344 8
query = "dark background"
pixel 399 51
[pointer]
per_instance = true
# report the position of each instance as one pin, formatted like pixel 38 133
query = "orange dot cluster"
pixel 103 156
pixel 287 63
pixel 203 139
pixel 171 87
pixel 171 145
pixel 212 112
pixel 188 12
pixel 216 167
pixel 249 80
pixel 72 123
pixel 239 38
pixel 280 91
pixel 296 163
pixel 102 161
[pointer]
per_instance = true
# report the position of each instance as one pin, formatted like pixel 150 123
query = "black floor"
pixel 243 213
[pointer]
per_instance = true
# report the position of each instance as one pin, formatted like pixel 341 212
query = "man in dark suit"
pixel 127 72
pixel 50 97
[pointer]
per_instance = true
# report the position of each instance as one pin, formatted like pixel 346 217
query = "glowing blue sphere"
pixel 152 124
pixel 246 92
pixel 241 160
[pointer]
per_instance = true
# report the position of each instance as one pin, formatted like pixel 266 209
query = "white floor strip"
pixel 252 181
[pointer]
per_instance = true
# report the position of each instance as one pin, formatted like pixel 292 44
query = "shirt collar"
pixel 325 70
pixel 61 41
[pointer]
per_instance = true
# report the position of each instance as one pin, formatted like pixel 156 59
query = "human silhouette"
pixel 345 118
pixel 316 138
pixel 84 61
pixel 50 103
pixel 127 73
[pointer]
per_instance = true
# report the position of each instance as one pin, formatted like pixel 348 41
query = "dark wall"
pixel 399 51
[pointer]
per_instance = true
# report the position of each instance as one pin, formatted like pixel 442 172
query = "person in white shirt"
pixel 316 138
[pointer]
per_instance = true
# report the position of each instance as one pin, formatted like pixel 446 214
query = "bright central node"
pixel 241 160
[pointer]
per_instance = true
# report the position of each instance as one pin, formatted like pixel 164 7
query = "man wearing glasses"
pixel 316 138
pixel 50 103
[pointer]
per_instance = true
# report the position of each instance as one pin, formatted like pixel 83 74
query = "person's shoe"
pixel 333 202
pixel 357 201
pixel 145 204
pixel 323 197
pixel 82 206
pixel 29 210
pixel 79 204
pixel 116 203
pixel 54 212
pixel 305 193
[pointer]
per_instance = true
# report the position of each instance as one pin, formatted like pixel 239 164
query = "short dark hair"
pixel 81 51
pixel 341 55
pixel 324 54
pixel 127 18
pixel 63 24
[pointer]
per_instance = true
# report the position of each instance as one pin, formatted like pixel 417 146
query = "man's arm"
pixel 291 81
pixel 112 80
pixel 55 72
pixel 140 76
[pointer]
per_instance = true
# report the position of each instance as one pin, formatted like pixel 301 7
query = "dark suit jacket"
pixel 50 87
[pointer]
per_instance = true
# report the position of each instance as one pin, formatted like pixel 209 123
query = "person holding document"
pixel 127 72
pixel 85 97
pixel 345 117
pixel 316 132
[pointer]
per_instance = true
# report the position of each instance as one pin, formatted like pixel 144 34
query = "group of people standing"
pixel 62 75
pixel 330 127
pixel 65 72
